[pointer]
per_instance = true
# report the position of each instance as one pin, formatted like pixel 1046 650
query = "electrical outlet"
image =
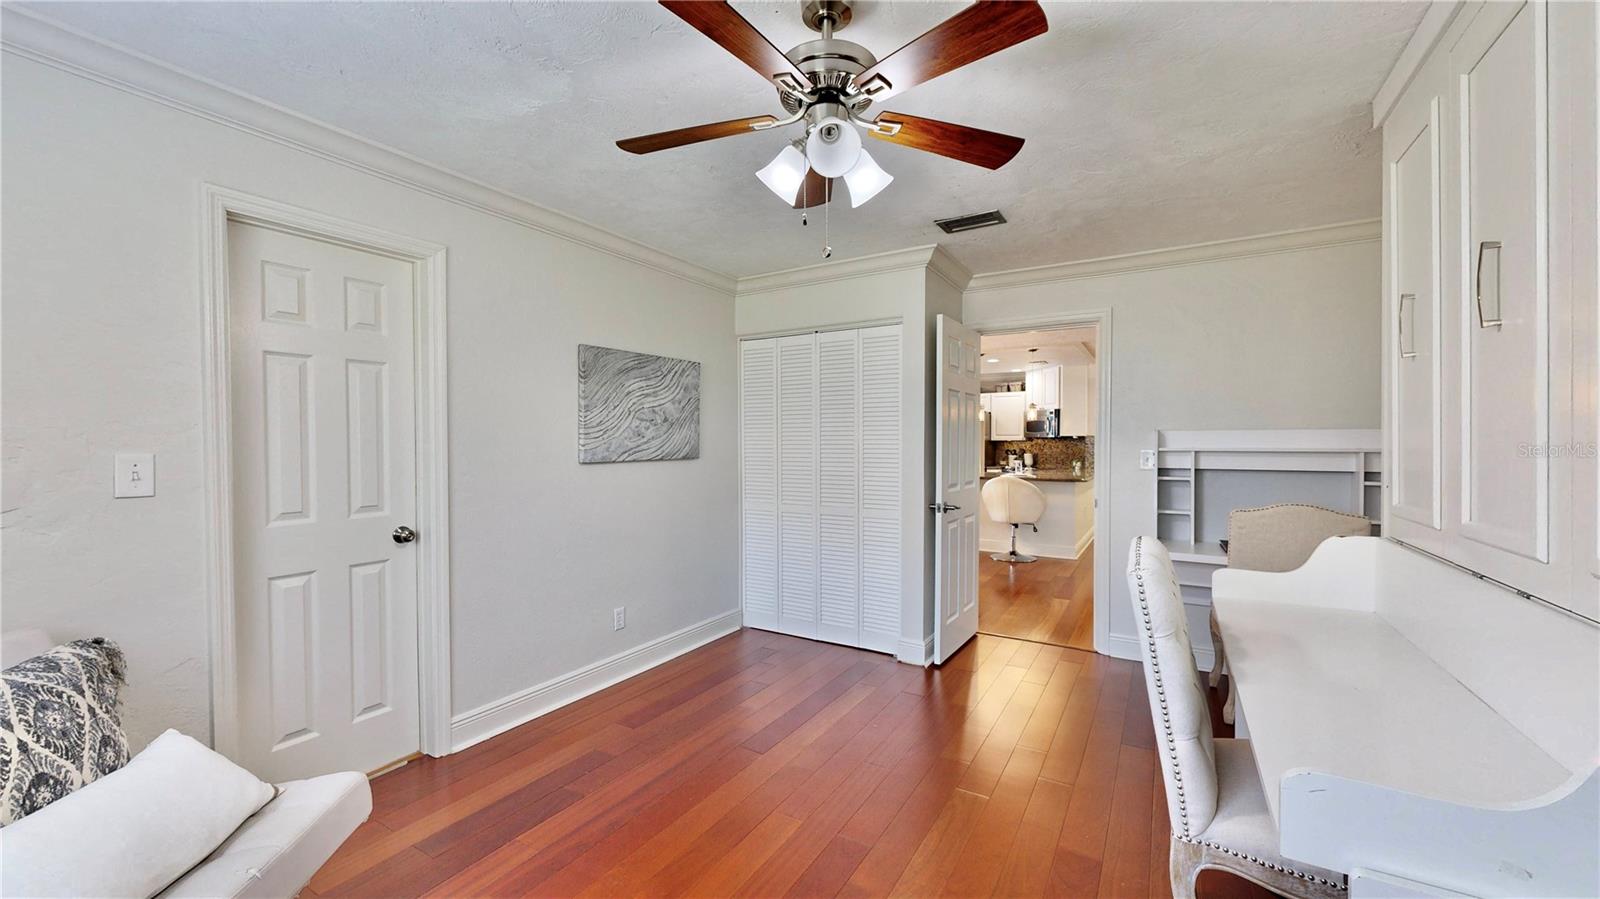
pixel 619 618
pixel 1147 459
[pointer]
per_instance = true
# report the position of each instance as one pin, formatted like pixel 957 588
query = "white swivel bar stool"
pixel 1014 501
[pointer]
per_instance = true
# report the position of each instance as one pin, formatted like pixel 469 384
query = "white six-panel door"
pixel 323 473
pixel 821 509
pixel 955 562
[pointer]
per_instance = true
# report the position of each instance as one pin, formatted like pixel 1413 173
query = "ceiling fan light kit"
pixel 784 174
pixel 827 85
pixel 833 147
pixel 865 179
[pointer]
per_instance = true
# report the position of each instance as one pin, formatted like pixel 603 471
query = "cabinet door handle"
pixel 1489 305
pixel 1408 349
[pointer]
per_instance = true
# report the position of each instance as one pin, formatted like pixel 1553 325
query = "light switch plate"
pixel 1147 459
pixel 135 475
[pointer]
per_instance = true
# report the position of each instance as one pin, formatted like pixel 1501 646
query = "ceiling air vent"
pixel 969 222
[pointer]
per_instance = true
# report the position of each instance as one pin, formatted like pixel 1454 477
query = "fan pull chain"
pixel 827 203
pixel 805 199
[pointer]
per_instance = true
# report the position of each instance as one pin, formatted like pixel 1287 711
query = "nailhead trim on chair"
pixel 1265 864
pixel 1161 690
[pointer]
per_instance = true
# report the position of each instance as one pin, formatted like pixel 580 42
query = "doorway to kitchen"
pixel 1040 411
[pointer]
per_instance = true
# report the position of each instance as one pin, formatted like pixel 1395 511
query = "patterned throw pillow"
pixel 60 724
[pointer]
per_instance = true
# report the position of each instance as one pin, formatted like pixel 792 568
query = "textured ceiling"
pixel 1148 124
pixel 1012 352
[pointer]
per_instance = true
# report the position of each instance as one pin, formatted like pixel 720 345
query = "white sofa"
pixel 274 852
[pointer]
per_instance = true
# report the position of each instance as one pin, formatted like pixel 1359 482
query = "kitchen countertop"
pixel 1043 474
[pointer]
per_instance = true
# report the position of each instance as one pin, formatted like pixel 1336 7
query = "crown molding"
pixel 944 265
pixel 32 36
pixel 1438 17
pixel 875 264
pixel 1194 254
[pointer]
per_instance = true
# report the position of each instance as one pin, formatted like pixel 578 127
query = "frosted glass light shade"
pixel 865 179
pixel 833 158
pixel 784 174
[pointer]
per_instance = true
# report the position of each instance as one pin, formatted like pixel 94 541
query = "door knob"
pixel 403 534
pixel 943 507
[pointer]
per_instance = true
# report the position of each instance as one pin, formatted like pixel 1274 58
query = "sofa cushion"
pixel 60 724
pixel 134 831
pixel 276 850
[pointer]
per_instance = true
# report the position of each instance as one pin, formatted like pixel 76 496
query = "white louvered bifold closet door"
pixel 882 515
pixel 758 435
pixel 822 494
pixel 838 487
pixel 797 485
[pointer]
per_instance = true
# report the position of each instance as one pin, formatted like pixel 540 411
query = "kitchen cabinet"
pixel 1077 385
pixel 1489 266
pixel 1041 386
pixel 1069 388
pixel 1008 414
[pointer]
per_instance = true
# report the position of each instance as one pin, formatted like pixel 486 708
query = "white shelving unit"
pixel 1201 476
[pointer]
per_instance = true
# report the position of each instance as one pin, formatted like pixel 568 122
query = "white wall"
pixel 102 353
pixel 1281 340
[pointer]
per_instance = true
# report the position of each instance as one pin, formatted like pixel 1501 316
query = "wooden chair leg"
pixel 1217 652
pixel 1227 707
pixel 1183 867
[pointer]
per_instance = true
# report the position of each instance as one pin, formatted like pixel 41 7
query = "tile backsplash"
pixel 1053 452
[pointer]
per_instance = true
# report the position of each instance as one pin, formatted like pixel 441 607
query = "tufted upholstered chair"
pixel 1276 538
pixel 1214 800
pixel 1011 500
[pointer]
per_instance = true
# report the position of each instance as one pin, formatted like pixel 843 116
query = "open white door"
pixel 955 553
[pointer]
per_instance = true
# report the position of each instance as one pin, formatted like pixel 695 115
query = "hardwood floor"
pixel 1048 601
pixel 764 765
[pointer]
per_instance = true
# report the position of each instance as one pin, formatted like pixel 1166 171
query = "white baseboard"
pixel 503 714
pixel 1122 646
pixel 914 653
pixel 1083 543
pixel 1044 551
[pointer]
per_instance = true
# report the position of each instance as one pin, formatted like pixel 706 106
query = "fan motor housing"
pixel 829 63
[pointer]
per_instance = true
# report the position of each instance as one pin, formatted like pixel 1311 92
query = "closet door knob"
pixel 403 534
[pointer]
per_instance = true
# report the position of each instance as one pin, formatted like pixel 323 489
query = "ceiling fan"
pixel 828 84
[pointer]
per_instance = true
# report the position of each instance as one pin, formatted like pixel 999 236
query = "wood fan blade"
pixel 816 191
pixel 717 20
pixel 666 140
pixel 990 149
pixel 981 29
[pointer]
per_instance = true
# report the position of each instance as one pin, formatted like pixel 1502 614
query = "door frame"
pixel 1101 319
pixel 219 206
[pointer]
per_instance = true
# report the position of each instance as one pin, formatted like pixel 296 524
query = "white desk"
pixel 1413 724
pixel 1342 692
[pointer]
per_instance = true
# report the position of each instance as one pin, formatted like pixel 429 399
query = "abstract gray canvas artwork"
pixel 635 407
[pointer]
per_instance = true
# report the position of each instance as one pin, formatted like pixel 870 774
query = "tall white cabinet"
pixel 1490 289
pixel 820 474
